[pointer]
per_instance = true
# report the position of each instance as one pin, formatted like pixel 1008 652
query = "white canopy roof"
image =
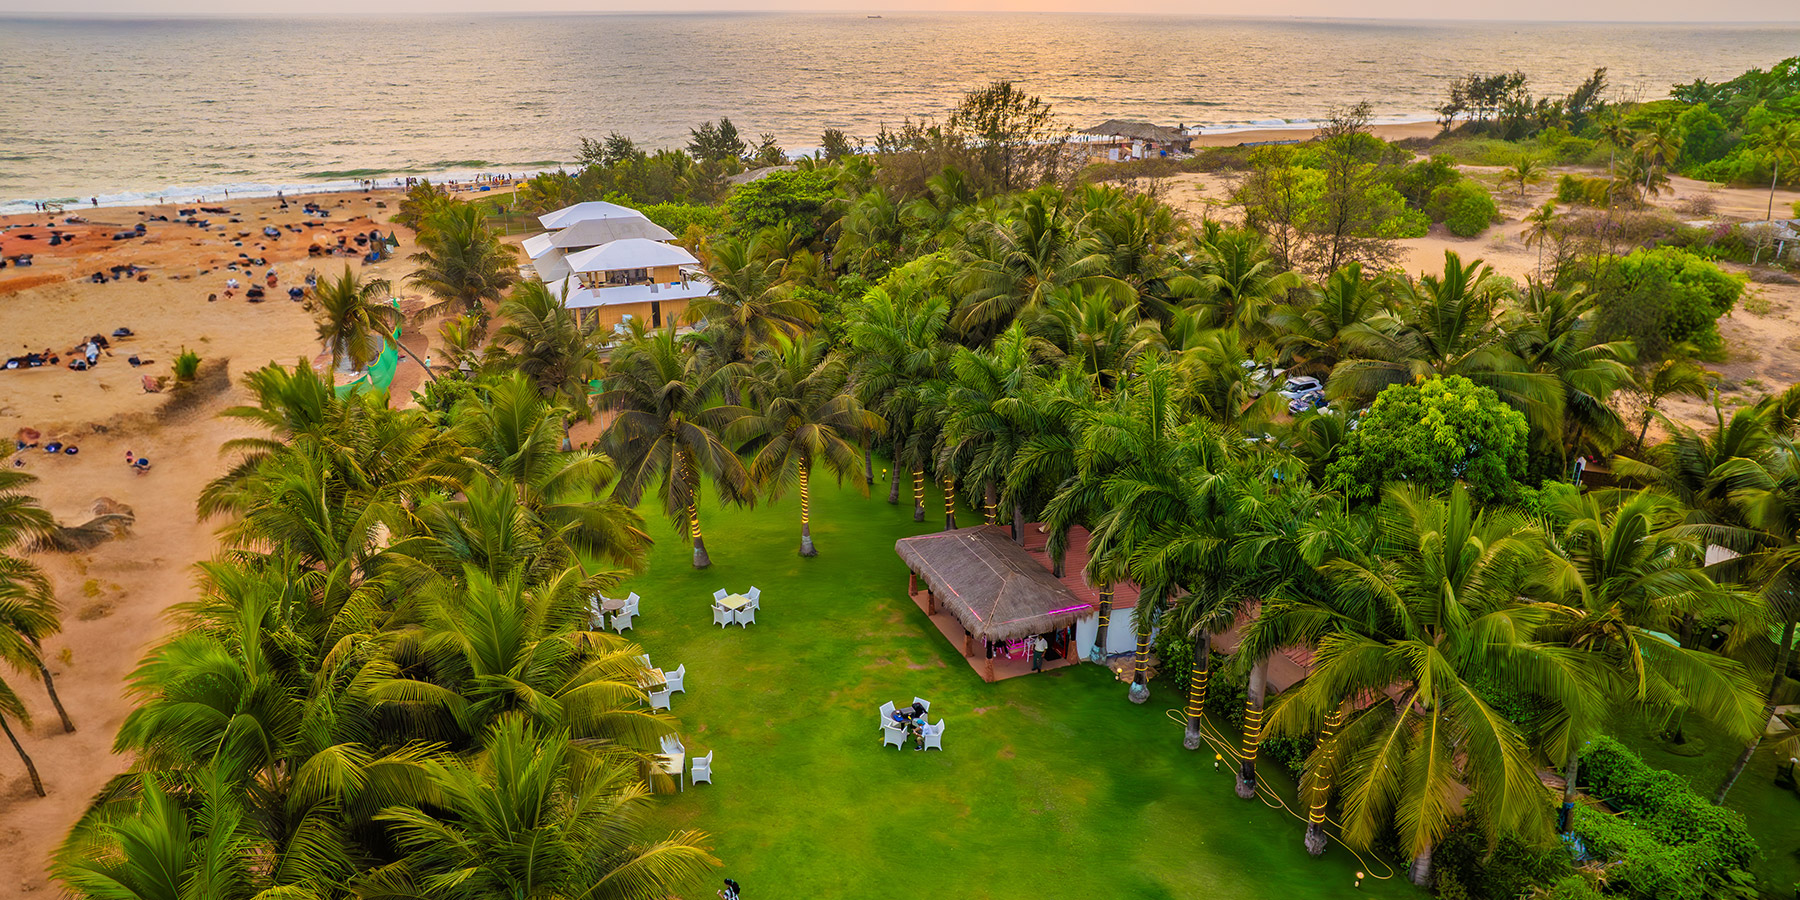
pixel 594 232
pixel 537 245
pixel 573 296
pixel 630 253
pixel 592 209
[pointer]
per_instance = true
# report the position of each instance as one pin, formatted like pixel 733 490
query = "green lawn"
pixel 1049 786
pixel 1772 813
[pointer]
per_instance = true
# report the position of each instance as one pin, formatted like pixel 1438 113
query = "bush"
pixel 187 363
pixel 678 217
pixel 1433 434
pixel 801 199
pixel 1665 296
pixel 1418 181
pixel 1669 843
pixel 1466 208
pixel 1467 867
pixel 1573 190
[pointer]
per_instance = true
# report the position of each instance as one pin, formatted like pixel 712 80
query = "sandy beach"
pixel 114 597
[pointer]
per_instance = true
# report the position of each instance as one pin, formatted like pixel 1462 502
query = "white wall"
pixel 1121 632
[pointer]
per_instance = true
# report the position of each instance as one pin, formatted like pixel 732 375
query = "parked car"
pixel 1300 385
pixel 1314 399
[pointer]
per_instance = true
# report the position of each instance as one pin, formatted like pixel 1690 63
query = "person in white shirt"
pixel 1038 648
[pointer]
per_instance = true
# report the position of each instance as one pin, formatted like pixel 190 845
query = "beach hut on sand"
pixel 1138 140
pixel 989 596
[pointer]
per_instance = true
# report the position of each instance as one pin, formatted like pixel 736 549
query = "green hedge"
pixel 1466 207
pixel 1668 843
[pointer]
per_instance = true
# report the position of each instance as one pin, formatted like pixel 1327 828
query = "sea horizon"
pixel 128 109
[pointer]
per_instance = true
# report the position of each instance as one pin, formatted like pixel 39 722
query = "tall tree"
pixel 549 346
pixel 751 301
pixel 461 262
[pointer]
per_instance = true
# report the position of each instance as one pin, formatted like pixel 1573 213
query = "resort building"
pixel 612 265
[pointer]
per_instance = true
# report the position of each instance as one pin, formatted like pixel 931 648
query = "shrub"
pixel 678 217
pixel 1468 867
pixel 1582 190
pixel 1466 208
pixel 800 199
pixel 187 363
pixel 1433 434
pixel 1669 843
pixel 1665 296
pixel 1418 181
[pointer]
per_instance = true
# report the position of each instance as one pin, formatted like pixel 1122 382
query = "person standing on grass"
pixel 1038 647
pixel 730 892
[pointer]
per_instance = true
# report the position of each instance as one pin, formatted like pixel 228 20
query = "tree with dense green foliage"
pixel 355 319
pixel 1015 139
pixel 1442 431
pixel 752 301
pixel 1663 297
pixel 461 262
pixel 802 200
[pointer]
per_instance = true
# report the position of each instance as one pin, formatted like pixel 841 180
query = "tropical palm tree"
pixel 548 345
pixel 1234 281
pixel 667 429
pixel 1617 136
pixel 28 608
pixel 1626 578
pixel 1526 170
pixel 1540 227
pixel 461 262
pixel 801 412
pixel 1673 377
pixel 536 814
pixel 751 301
pixel 1781 144
pixel 1409 638
pixel 1310 333
pixel 1092 332
pixel 1656 151
pixel 902 355
pixel 1555 333
pixel 355 319
pixel 1014 262
pixel 988 417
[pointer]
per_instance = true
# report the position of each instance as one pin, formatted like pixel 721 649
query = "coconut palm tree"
pixel 1093 332
pixel 1656 151
pixel 1617 136
pixel 989 416
pixel 667 430
pixel 1526 170
pixel 1554 333
pixel 515 435
pixel 1408 638
pixel 1540 226
pixel 1310 333
pixel 28 608
pixel 1687 464
pixel 751 301
pixel 1014 262
pixel 872 235
pixel 536 814
pixel 1673 377
pixel 354 319
pixel 1626 579
pixel 11 707
pixel 549 345
pixel 1234 281
pixel 801 412
pixel 898 339
pixel 1781 144
pixel 462 264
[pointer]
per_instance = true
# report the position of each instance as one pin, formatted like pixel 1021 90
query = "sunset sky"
pixel 1516 10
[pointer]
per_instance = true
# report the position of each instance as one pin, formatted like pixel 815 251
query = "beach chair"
pixel 660 699
pixel 887 714
pixel 702 769
pixel 747 615
pixel 893 734
pixel 721 616
pixel 721 594
pixel 676 678
pixel 755 594
pixel 924 703
pixel 621 622
pixel 934 736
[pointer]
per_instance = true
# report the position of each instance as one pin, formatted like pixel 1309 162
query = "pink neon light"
pixel 1068 609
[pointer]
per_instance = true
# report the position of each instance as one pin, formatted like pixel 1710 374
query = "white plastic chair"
pixel 887 714
pixel 631 605
pixel 671 743
pixel 934 736
pixel 923 703
pixel 720 594
pixel 676 677
pixel 722 616
pixel 893 734
pixel 702 769
pixel 660 699
pixel 621 622
pixel 747 615
pixel 755 594
pixel 596 615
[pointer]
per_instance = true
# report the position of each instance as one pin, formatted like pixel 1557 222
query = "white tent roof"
pixel 537 245
pixel 594 232
pixel 630 253
pixel 592 209
pixel 551 267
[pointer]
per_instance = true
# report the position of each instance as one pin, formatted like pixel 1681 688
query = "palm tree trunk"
pixel 36 784
pixel 1773 177
pixel 1018 527
pixel 1099 652
pixel 1196 699
pixel 1253 715
pixel 1571 771
pixel 991 501
pixel 1316 841
pixel 918 495
pixel 1140 662
pixel 1420 872
pixel 950 503
pixel 869 463
pixel 894 488
pixel 701 560
pixel 806 541
pixel 416 358
pixel 1781 662
pixel 50 688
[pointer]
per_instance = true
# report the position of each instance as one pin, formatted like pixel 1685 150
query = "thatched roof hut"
pixel 997 590
pixel 1139 131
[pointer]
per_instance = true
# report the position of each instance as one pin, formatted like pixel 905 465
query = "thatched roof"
pixel 1138 131
pixel 991 585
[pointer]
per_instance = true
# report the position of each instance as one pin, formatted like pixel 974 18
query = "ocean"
pixel 126 110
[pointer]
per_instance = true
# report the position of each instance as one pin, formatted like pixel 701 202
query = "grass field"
pixel 1052 786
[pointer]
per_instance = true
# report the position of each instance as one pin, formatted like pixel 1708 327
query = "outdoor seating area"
pixel 736 609
pixel 912 721
pixel 614 613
